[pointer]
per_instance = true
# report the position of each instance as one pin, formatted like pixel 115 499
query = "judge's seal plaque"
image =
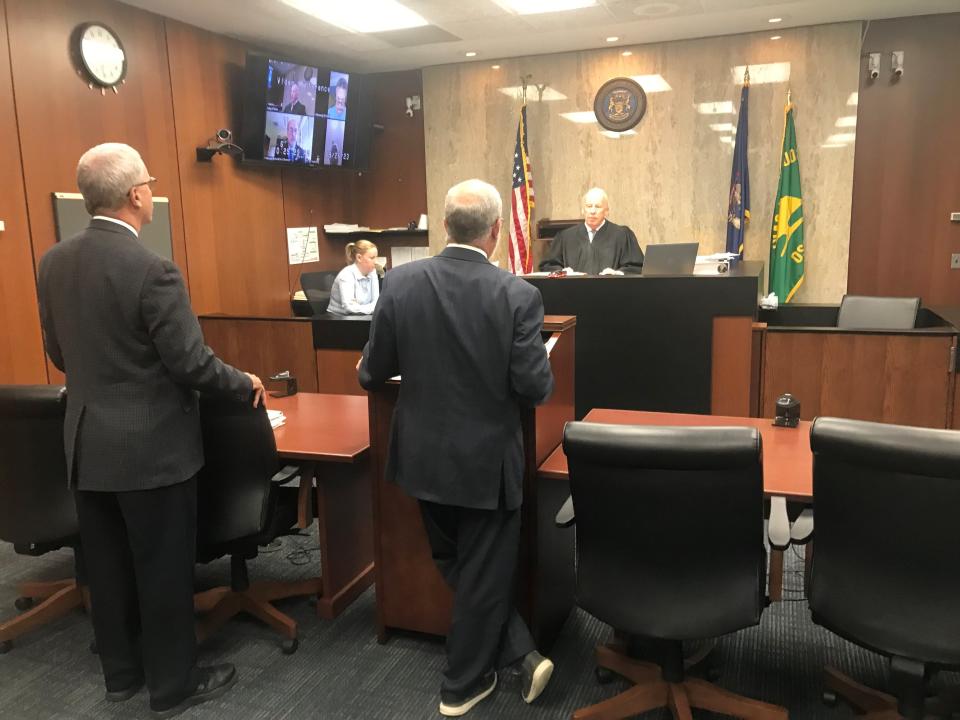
pixel 620 104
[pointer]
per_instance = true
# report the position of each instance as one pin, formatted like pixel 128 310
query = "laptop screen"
pixel 670 259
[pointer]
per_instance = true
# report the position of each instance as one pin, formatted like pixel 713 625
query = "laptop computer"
pixel 670 259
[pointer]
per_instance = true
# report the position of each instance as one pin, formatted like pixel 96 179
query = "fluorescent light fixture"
pixel 721 107
pixel 362 16
pixel 581 117
pixel 627 53
pixel 853 99
pixel 471 54
pixel 616 135
pixel 533 95
pixel 842 138
pixel 762 73
pixel 775 20
pixel 847 121
pixel 612 38
pixel 535 7
pixel 652 83
pixel 776 37
pixel 723 127
pixel 833 145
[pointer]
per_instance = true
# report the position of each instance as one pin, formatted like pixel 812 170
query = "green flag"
pixel 786 247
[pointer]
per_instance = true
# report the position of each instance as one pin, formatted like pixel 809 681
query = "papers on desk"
pixel 345 228
pixel 302 245
pixel 551 342
pixel 402 255
pixel 277 418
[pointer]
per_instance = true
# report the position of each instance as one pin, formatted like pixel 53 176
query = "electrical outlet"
pixel 955 261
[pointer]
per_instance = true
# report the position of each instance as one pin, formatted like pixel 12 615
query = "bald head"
pixel 471 211
pixel 596 207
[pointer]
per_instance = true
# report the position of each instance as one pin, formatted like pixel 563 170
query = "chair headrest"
pixel 32 401
pixel 863 312
pixel 653 446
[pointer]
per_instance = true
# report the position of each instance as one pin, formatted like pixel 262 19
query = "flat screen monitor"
pixel 670 259
pixel 296 114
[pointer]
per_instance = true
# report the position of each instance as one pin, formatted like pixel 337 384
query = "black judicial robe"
pixel 614 246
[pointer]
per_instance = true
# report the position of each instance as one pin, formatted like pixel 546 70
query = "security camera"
pixel 873 65
pixel 874 74
pixel 220 144
pixel 409 109
pixel 896 63
pixel 224 135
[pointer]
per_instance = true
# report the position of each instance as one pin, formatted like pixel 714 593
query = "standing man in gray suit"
pixel 117 320
pixel 465 336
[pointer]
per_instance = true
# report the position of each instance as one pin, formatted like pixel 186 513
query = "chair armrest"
pixel 285 475
pixel 566 516
pixel 778 527
pixel 802 530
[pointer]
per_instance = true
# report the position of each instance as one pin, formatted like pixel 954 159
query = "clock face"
pixel 102 55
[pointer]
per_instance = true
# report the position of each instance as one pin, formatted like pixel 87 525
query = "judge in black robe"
pixel 597 246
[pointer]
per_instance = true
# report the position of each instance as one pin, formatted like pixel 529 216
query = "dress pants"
pixel 476 552
pixel 140 548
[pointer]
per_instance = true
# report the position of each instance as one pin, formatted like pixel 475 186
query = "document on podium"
pixel 551 342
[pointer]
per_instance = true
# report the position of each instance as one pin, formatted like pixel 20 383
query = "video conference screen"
pixel 311 116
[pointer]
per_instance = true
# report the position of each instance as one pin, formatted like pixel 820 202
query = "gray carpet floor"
pixel 341 672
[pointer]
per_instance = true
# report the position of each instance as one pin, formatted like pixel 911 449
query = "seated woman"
pixel 356 289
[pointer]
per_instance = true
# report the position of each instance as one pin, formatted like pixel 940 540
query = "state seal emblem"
pixel 620 104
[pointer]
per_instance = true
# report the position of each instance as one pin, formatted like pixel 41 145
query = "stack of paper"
pixel 277 418
pixel 346 228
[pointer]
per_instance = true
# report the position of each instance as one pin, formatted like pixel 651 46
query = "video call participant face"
pixel 292 132
pixel 341 99
pixel 595 208
pixel 294 94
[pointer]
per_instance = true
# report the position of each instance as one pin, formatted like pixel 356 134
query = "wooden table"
pixel 328 436
pixel 787 461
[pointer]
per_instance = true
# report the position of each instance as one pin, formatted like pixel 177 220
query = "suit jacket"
pixel 614 246
pixel 297 108
pixel 117 320
pixel 465 336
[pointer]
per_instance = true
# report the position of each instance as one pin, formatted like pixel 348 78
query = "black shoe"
pixel 535 671
pixel 126 693
pixel 452 705
pixel 212 682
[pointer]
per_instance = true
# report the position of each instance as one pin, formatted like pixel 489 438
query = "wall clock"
pixel 100 55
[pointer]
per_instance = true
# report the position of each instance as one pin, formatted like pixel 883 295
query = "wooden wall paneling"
pixel 731 366
pixel 758 339
pixel 905 182
pixel 265 346
pixel 232 213
pixel 21 343
pixel 337 372
pixel 955 421
pixel 900 379
pixel 60 117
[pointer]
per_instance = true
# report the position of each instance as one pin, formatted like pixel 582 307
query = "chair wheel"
pixel 604 676
pixel 289 647
pixel 23 603
pixel 6 646
pixel 94 650
pixel 829 698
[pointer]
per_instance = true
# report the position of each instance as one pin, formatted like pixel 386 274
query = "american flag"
pixel 521 203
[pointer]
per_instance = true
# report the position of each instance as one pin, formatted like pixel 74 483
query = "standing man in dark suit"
pixel 598 246
pixel 295 107
pixel 117 320
pixel 465 336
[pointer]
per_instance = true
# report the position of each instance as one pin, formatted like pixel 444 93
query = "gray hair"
pixel 470 209
pixel 596 190
pixel 106 173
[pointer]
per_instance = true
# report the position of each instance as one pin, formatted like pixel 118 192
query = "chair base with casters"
pixel 908 680
pixel 657 686
pixel 218 605
pixel 57 598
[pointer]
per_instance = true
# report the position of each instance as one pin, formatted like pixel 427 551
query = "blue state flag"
pixel 738 208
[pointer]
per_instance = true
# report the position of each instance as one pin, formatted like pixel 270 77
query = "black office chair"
pixel 240 507
pixel 37 512
pixel 669 548
pixel 863 312
pixel 317 286
pixel 886 573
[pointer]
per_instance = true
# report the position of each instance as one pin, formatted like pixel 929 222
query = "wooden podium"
pixel 411 594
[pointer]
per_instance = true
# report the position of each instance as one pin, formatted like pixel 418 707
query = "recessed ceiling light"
pixel 776 37
pixel 775 20
pixel 612 38
pixel 626 53
pixel 362 16
pixel 652 83
pixel 580 117
pixel 535 7
pixel 471 54
pixel 494 67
